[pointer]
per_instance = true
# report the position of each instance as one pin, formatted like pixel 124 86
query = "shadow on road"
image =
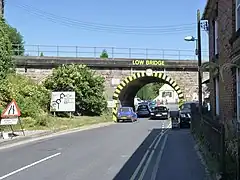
pixel 131 165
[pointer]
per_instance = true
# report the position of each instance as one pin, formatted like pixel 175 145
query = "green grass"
pixel 210 160
pixel 58 123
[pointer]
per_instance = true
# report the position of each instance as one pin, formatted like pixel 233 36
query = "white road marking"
pixel 150 158
pixel 30 165
pixel 143 159
pixel 146 154
pixel 155 169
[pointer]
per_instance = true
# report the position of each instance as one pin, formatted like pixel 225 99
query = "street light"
pixel 191 39
pixel 199 54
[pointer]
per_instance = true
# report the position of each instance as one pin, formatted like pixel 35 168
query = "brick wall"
pixel 227 87
pixel 187 81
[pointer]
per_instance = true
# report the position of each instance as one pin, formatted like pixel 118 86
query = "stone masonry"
pixel 187 81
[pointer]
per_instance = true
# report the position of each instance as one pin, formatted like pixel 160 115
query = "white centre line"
pixel 155 169
pixel 30 165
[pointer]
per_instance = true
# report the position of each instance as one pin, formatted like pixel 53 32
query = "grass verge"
pixel 47 122
pixel 209 159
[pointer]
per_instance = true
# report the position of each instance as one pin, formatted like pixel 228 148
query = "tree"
pixel 149 91
pixel 41 54
pixel 16 40
pixel 104 54
pixel 6 62
pixel 88 86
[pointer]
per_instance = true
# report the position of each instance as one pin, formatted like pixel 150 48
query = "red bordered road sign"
pixel 11 110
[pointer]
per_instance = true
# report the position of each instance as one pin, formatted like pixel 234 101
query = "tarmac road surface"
pixel 144 150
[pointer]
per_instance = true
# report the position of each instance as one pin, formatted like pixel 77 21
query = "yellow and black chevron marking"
pixel 135 76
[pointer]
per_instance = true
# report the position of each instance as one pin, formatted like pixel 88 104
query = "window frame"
pixel 238 92
pixel 236 14
pixel 217 99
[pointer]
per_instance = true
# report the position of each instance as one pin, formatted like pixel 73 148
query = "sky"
pixel 149 24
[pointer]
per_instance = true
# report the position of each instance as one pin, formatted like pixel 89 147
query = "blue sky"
pixel 39 30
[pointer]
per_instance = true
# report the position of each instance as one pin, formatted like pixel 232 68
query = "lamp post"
pixel 199 54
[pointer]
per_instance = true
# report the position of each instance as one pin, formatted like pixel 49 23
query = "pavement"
pixel 144 150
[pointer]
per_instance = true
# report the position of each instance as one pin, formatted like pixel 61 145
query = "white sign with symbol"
pixel 63 101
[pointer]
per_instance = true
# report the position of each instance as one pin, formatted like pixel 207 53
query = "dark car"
pixel 160 112
pixel 143 110
pixel 186 113
pixel 126 114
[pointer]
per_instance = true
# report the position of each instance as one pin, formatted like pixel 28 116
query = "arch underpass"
pixel 128 88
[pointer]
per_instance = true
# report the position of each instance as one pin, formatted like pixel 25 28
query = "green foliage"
pixel 41 54
pixel 6 62
pixel 149 91
pixel 104 54
pixel 31 98
pixel 16 39
pixel 88 86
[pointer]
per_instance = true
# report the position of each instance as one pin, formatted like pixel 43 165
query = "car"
pixel 126 114
pixel 152 105
pixel 143 110
pixel 186 113
pixel 160 112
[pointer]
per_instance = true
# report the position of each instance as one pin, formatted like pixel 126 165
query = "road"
pixel 144 150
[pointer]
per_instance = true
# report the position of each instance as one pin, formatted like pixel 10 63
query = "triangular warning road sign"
pixel 11 110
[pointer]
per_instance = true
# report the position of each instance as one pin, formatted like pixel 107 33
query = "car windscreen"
pixel 124 109
pixel 143 108
pixel 186 106
pixel 160 108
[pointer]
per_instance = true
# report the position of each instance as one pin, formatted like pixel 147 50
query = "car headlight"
pixel 164 113
pixel 189 115
pixel 152 113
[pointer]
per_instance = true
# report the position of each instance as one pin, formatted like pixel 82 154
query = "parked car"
pixel 143 110
pixel 160 112
pixel 186 113
pixel 126 114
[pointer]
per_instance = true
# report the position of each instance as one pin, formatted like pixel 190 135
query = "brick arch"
pixel 139 75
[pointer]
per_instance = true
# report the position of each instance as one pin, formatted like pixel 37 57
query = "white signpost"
pixel 63 101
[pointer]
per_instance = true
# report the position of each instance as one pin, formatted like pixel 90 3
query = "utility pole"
pixel 199 49
pixel 2 8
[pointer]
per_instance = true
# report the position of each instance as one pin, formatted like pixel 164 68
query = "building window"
pixel 216 36
pixel 238 93
pixel 216 84
pixel 237 14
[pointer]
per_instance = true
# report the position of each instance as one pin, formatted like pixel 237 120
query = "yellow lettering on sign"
pixel 138 62
pixel 148 62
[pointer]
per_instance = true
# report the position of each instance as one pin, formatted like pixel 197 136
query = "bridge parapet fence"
pixel 113 52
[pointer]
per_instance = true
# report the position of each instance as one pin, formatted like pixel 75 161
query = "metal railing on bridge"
pixel 113 52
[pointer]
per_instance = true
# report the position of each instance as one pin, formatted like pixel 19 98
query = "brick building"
pixel 223 18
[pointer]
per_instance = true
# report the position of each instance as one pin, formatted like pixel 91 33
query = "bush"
pixel 32 99
pixel 6 63
pixel 88 86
